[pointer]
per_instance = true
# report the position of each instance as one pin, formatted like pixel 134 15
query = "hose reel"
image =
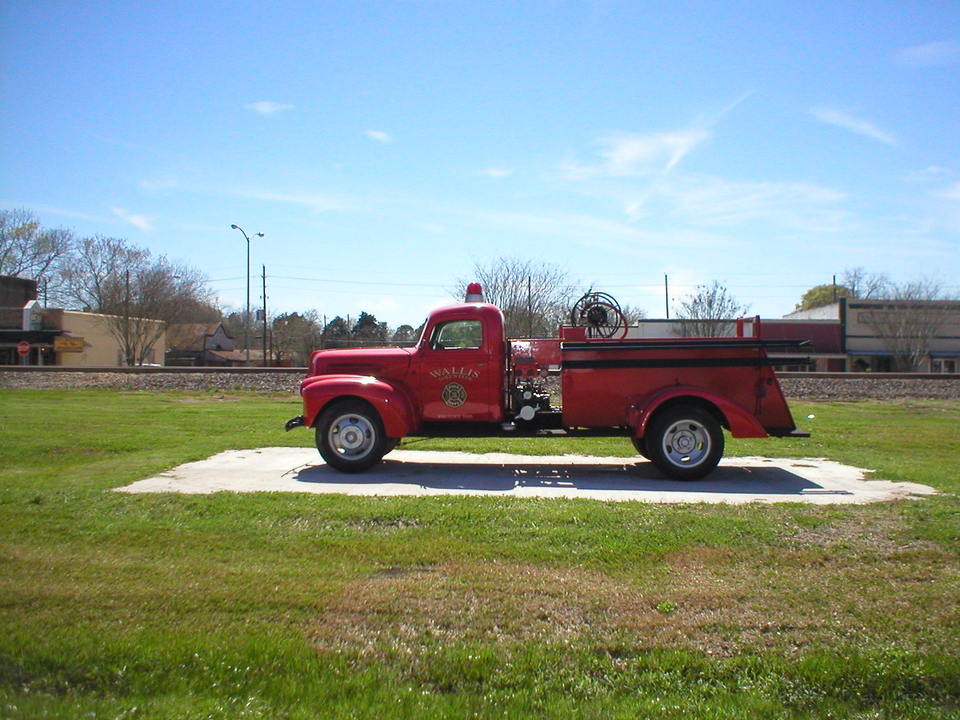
pixel 600 314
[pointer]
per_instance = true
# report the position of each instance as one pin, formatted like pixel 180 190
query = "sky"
pixel 385 148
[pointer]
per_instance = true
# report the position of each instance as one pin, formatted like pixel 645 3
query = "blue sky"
pixel 383 148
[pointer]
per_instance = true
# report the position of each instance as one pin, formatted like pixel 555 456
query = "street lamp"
pixel 246 316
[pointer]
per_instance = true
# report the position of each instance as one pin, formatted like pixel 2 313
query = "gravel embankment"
pixel 257 382
pixel 873 388
pixel 827 387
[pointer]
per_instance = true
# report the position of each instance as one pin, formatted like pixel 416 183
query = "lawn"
pixel 304 606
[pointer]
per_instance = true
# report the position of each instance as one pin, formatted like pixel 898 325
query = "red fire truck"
pixel 671 396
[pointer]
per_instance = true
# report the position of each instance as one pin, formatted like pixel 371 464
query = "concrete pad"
pixel 413 472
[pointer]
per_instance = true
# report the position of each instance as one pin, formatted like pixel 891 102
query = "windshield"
pixel 423 329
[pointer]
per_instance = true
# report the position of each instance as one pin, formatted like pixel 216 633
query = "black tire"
pixel 685 442
pixel 350 436
pixel 640 445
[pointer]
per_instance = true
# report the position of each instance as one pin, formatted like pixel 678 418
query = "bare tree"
pixel 162 291
pixel 31 251
pixel 702 313
pixel 633 314
pixel 862 284
pixel 535 297
pixel 296 336
pixel 908 318
pixel 139 295
pixel 95 279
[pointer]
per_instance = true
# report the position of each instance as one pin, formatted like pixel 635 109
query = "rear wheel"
pixel 685 442
pixel 350 436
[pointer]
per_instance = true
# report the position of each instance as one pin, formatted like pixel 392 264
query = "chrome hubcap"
pixel 352 436
pixel 686 443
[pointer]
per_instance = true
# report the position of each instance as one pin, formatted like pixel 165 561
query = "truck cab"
pixel 459 365
pixel 362 401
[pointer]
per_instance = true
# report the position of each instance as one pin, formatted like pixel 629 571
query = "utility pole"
pixel 529 310
pixel 834 288
pixel 666 294
pixel 126 318
pixel 264 316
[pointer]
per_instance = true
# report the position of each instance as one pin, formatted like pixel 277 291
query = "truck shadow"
pixel 632 476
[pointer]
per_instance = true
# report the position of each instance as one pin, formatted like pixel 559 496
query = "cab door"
pixel 456 376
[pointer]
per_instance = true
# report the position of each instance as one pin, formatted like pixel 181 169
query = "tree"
pixel 337 329
pixel 855 283
pixel 201 310
pixel 821 295
pixel 866 285
pixel 702 313
pixel 535 297
pixel 404 334
pixel 295 336
pixel 367 328
pixel 633 314
pixel 907 320
pixel 232 322
pixel 27 250
pixel 95 280
pixel 134 290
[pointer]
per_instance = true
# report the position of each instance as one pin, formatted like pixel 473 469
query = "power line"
pixel 355 282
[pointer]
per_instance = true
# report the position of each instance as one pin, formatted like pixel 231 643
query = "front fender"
pixel 391 400
pixel 742 422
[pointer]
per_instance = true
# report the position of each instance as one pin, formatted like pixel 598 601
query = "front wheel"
pixel 350 436
pixel 640 445
pixel 685 442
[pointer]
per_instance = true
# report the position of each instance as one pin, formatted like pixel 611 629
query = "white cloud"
pixel 931 172
pixel 315 201
pixel 141 222
pixel 711 202
pixel 625 154
pixel 846 121
pixel 496 172
pixel 952 192
pixel 378 135
pixel 930 55
pixel 268 107
pixel 382 304
pixel 631 153
pixel 551 224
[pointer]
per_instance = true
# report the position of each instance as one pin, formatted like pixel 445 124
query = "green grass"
pixel 302 606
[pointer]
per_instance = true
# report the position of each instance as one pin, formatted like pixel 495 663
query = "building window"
pixel 944 366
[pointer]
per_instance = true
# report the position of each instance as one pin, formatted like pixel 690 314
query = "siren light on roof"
pixel 474 293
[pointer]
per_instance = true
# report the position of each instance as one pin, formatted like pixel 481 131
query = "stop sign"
pixel 23 347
